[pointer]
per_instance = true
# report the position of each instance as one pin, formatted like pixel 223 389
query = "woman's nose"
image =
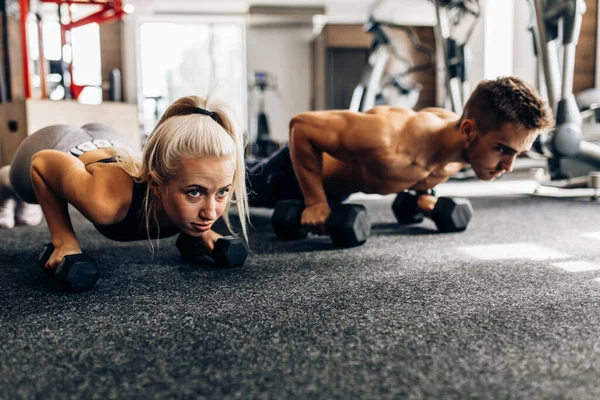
pixel 208 209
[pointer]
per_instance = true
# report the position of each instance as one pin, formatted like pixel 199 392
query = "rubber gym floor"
pixel 507 309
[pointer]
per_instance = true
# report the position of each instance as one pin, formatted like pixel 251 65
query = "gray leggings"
pixel 66 138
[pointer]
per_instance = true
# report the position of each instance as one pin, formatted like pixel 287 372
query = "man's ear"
pixel 468 130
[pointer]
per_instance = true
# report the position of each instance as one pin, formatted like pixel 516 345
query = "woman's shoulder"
pixel 115 186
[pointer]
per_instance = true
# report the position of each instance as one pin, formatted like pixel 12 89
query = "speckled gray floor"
pixel 408 315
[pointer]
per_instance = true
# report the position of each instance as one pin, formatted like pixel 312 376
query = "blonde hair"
pixel 182 133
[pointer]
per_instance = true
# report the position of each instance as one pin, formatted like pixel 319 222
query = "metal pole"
pixel 543 46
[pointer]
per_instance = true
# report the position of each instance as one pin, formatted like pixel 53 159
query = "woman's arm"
pixel 59 179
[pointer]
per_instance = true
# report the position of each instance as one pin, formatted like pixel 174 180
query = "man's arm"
pixel 437 177
pixel 426 202
pixel 342 134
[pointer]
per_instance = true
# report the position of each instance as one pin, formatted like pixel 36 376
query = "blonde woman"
pixel 191 172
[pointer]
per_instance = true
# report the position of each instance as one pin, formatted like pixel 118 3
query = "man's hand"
pixel 426 203
pixel 315 217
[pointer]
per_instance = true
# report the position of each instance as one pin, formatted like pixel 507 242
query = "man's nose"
pixel 508 164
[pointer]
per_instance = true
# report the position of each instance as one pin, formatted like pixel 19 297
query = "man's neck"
pixel 446 145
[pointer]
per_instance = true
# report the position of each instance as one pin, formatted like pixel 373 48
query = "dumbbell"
pixel 75 272
pixel 450 214
pixel 348 225
pixel 228 251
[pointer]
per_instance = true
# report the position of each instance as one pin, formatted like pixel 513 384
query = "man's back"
pixel 384 150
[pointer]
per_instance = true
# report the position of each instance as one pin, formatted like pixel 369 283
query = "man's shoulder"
pixel 438 112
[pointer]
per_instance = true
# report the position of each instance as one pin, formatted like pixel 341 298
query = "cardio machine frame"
pixel 382 48
pixel 555 20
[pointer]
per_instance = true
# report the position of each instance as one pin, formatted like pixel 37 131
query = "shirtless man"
pixel 388 150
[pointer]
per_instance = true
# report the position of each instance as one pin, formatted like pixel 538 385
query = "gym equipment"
pixel 76 272
pixel 348 225
pixel 228 252
pixel 456 58
pixel 374 88
pixel 570 157
pixel 450 214
pixel 108 11
pixel 406 209
pixel 263 145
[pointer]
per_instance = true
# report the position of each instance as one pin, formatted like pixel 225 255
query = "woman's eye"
pixel 194 193
pixel 223 192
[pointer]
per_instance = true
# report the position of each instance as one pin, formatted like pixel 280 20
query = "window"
pixel 179 59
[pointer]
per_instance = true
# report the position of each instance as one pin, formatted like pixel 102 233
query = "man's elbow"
pixel 297 127
pixel 297 120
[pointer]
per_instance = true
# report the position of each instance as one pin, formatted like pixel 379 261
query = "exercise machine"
pixel 375 86
pixel 571 159
pixel 263 145
pixel 456 59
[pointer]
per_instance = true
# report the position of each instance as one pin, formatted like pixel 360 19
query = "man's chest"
pixel 393 175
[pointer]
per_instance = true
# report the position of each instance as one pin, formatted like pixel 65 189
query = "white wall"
pixel 498 27
pixel 284 52
pixel 478 48
pixel 523 58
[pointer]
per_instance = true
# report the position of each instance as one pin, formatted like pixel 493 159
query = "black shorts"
pixel 273 179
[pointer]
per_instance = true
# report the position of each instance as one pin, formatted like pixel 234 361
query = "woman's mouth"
pixel 201 227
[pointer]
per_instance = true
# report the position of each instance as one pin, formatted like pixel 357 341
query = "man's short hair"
pixel 504 100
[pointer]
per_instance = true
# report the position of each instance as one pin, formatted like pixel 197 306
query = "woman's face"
pixel 198 193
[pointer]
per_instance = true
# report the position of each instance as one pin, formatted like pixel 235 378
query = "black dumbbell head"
pixel 230 252
pixel 349 225
pixel 452 214
pixel 190 246
pixel 76 272
pixel 286 220
pixel 405 209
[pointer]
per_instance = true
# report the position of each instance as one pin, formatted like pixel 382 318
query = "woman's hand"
pixel 197 246
pixel 209 239
pixel 59 253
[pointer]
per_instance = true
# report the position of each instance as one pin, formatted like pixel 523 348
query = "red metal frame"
pixel 109 10
pixel 24 11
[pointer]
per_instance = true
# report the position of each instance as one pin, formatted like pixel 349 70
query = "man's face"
pixel 494 153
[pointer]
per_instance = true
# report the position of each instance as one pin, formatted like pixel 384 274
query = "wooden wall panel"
pixel 426 78
pixel 16 82
pixel 110 51
pixel 585 57
pixel 352 36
